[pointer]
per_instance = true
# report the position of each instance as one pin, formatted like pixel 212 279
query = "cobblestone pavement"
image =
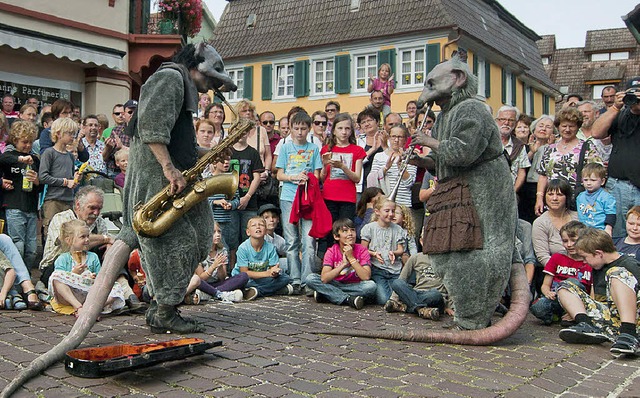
pixel 268 351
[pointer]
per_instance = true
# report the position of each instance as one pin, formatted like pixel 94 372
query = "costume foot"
pixel 151 311
pixel 167 319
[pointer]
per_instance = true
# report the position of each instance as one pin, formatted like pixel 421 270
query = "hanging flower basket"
pixel 187 13
pixel 166 27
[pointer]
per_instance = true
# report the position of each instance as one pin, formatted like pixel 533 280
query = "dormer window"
pixel 614 56
pixel 545 60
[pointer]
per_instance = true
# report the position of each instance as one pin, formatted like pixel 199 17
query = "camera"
pixel 630 97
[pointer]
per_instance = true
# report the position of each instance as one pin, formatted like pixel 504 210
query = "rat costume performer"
pixel 469 149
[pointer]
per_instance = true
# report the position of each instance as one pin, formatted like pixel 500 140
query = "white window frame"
pixel 277 81
pixel 615 56
pixel 596 91
pixel 482 81
pixel 545 60
pixel 414 72
pixel 328 84
pixel 237 76
pixel 509 80
pixel 368 68
pixel 527 100
pixel 597 57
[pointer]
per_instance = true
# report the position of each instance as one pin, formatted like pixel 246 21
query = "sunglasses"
pixel 330 110
pixel 318 123
pixel 268 122
pixel 118 113
pixel 130 112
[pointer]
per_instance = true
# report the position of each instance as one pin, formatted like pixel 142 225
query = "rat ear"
pixel 460 78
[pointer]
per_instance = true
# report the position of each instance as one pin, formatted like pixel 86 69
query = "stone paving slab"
pixel 268 351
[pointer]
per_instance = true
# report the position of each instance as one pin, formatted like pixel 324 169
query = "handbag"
pixel 579 187
pixel 453 224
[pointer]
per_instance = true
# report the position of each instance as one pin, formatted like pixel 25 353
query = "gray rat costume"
pixel 167 101
pixel 470 147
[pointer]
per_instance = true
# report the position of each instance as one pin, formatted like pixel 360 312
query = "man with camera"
pixel 621 122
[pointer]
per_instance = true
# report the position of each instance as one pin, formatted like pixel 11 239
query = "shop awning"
pixel 60 47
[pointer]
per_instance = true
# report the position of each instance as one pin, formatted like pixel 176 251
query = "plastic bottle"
pixel 27 186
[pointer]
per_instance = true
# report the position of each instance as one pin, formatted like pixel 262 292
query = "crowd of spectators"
pixel 312 212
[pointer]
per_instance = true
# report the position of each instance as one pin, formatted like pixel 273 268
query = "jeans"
pixel 338 292
pixel 269 286
pixel 22 228
pixel 383 280
pixel 298 240
pixel 12 253
pixel 627 195
pixel 523 233
pixel 544 309
pixel 415 299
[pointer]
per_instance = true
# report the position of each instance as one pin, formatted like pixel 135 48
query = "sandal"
pixel 34 305
pixel 7 303
pixel 18 303
pixel 75 312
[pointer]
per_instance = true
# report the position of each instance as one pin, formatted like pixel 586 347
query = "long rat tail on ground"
pixel 115 258
pixel 508 325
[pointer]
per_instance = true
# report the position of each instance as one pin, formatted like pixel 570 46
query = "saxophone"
pixel 156 216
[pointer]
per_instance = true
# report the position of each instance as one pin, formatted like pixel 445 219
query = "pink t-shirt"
pixel 334 257
pixel 384 87
pixel 337 186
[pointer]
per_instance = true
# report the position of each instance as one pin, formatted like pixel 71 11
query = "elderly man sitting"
pixel 87 206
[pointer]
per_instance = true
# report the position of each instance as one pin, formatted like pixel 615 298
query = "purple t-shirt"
pixel 379 85
pixel 119 180
pixel 333 258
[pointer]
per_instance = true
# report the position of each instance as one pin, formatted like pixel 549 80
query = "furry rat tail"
pixel 115 258
pixel 520 297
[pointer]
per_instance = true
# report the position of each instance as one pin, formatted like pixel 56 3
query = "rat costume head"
pixel 449 81
pixel 205 60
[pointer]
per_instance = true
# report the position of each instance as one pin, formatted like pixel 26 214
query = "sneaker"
pixel 319 297
pixel 583 333
pixel 356 302
pixel 234 296
pixel 286 290
pixel 394 306
pixel 250 294
pixel 625 344
pixel 429 313
pixel 297 290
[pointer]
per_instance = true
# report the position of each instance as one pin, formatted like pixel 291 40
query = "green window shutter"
pixel 267 85
pixel 387 57
pixel 524 98
pixel 433 56
pixel 342 82
pixel 504 86
pixel 475 64
pixel 487 78
pixel 301 79
pixel 248 83
pixel 514 80
pixel 531 98
pixel 545 104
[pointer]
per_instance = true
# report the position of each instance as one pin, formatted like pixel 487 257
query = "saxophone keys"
pixel 199 186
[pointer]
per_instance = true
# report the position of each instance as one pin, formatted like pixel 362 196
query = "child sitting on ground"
pixel 259 259
pixel 9 297
pixel 428 297
pixel 211 276
pixel 364 210
pixel 271 215
pixel 596 207
pixel 560 268
pixel 611 315
pixel 346 270
pixel 630 244
pixel 122 161
pixel 385 242
pixel 75 272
